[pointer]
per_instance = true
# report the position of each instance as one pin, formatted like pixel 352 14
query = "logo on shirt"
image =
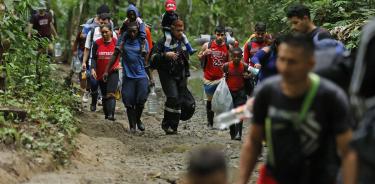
pixel 218 58
pixel 309 129
pixel 43 22
pixel 105 55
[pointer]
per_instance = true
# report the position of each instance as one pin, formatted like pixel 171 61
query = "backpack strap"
pixel 307 102
pixel 226 70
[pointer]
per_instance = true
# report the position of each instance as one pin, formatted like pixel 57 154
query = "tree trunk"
pixel 3 71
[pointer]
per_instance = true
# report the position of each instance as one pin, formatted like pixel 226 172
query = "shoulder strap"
pixel 249 45
pixel 226 70
pixel 209 44
pixel 92 35
pixel 315 81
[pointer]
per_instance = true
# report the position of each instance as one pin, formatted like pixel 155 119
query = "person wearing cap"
pixel 168 17
pixel 236 73
pixel 43 23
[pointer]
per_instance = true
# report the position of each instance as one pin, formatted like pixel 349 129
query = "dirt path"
pixel 108 153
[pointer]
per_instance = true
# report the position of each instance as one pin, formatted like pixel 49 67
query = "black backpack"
pixel 187 103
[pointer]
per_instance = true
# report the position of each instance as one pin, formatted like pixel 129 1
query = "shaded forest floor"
pixel 108 153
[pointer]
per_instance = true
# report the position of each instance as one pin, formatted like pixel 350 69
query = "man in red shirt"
pixel 257 41
pixel 236 72
pixel 213 56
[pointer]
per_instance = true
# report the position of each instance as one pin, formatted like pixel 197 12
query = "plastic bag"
pixel 222 100
pixel 76 65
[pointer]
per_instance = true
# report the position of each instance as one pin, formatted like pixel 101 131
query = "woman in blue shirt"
pixel 135 75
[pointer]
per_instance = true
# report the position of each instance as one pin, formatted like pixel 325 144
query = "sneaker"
pixel 85 97
pixel 100 101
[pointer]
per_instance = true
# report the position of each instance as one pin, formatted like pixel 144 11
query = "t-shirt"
pixel 234 76
pixel 218 56
pixel 42 24
pixel 132 59
pixel 309 154
pixel 102 55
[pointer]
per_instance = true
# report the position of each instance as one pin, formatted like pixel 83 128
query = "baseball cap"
pixel 170 5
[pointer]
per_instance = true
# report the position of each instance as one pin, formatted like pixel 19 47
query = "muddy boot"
pixel 94 101
pixel 131 118
pixel 238 131
pixel 232 131
pixel 139 110
pixel 111 106
pixel 105 108
pixel 165 125
pixel 210 115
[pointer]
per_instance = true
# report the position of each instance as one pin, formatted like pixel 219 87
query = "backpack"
pixel 187 103
pixel 326 50
pixel 204 63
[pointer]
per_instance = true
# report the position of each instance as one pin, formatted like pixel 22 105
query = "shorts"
pixel 210 89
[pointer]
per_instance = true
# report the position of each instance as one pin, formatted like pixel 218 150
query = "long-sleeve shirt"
pixel 268 66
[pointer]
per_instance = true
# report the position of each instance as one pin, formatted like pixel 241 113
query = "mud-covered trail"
pixel 108 153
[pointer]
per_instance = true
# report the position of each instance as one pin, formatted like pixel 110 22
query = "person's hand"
pixel 105 76
pixel 83 66
pixel 207 52
pixel 171 55
pixel 93 73
pixel 250 104
pixel 247 75
pixel 258 66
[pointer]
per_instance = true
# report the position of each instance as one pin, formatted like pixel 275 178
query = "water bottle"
pixel 226 119
pixel 152 102
pixel 58 51
pixel 253 70
pixel 77 66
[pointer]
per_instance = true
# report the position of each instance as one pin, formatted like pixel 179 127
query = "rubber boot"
pixel 232 131
pixel 139 111
pixel 238 131
pixel 165 125
pixel 131 118
pixel 111 107
pixel 210 114
pixel 94 101
pixel 105 108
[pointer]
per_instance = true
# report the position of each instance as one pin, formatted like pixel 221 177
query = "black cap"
pixel 103 9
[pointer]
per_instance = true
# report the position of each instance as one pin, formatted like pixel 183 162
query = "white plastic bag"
pixel 222 100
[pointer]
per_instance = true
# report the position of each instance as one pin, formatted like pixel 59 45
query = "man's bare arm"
pixel 349 165
pixel 251 149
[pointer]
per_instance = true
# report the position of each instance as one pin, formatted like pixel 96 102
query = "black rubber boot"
pixel 238 136
pixel 232 131
pixel 139 111
pixel 111 107
pixel 131 118
pixel 94 101
pixel 210 114
pixel 105 108
pixel 165 125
